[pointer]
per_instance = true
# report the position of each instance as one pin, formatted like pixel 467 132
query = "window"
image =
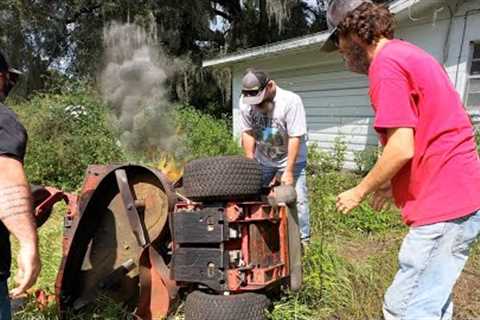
pixel 473 91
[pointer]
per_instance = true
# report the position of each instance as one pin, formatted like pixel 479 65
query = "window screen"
pixel 473 93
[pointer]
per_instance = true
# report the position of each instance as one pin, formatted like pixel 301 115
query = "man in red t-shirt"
pixel 429 161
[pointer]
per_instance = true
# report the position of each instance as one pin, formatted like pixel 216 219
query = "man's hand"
pixel 349 200
pixel 381 196
pixel 28 270
pixel 288 178
pixel 398 151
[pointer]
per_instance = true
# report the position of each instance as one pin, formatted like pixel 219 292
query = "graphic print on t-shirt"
pixel 270 134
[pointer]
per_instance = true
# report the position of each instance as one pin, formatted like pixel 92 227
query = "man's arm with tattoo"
pixel 16 213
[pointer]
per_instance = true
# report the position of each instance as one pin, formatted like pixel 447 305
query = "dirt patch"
pixel 362 249
pixel 378 251
pixel 466 295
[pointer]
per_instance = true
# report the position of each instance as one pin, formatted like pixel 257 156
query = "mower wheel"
pixel 227 178
pixel 244 306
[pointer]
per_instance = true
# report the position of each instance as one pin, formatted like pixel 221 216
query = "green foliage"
pixel 326 220
pixel 340 281
pixel 204 135
pixel 345 276
pixel 369 221
pixel 336 286
pixel 366 159
pixel 339 152
pixel 67 132
pixel 321 161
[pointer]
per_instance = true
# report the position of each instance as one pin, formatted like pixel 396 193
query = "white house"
pixel 336 100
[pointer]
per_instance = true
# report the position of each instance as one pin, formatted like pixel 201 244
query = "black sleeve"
pixel 13 136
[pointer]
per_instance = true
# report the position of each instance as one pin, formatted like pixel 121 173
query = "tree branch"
pixel 222 14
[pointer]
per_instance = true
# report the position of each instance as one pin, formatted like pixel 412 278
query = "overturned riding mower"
pixel 218 237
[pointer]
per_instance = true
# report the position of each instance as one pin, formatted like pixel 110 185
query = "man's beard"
pixel 357 59
pixel 266 106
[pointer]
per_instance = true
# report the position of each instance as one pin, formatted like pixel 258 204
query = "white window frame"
pixel 469 78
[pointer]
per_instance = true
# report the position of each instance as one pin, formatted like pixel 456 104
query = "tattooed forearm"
pixel 15 200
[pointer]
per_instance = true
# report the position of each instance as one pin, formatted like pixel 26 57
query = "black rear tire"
pixel 244 306
pixel 228 178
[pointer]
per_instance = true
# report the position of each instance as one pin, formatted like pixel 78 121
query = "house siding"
pixel 336 101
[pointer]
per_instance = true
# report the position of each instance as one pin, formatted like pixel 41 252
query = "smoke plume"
pixel 133 83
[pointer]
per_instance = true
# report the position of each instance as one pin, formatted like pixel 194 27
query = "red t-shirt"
pixel 410 89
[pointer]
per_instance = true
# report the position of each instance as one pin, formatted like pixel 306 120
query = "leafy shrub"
pixel 339 152
pixel 67 132
pixel 204 135
pixel 366 159
pixel 321 161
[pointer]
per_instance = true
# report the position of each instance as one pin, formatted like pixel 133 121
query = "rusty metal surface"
pixel 130 208
pixel 44 198
pixel 157 291
pixel 264 244
pixel 256 244
pixel 265 256
pixel 101 240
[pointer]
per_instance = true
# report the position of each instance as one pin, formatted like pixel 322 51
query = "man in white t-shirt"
pixel 274 132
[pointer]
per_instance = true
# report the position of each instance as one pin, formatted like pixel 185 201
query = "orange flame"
pixel 171 167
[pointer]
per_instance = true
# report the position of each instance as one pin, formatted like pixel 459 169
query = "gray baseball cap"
pixel 336 12
pixel 254 85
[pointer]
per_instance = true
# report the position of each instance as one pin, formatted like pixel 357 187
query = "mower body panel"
pixel 235 246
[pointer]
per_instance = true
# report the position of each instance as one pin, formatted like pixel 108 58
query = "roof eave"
pixel 311 40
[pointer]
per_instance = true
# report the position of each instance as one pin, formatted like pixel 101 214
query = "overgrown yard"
pixel 348 266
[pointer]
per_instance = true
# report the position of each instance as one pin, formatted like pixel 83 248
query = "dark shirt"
pixel 13 143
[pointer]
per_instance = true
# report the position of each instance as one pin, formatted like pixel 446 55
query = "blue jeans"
pixel 431 259
pixel 4 301
pixel 302 194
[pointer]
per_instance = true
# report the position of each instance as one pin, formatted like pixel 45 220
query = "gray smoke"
pixel 133 83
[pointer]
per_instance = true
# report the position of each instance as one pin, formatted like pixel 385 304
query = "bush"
pixel 66 133
pixel 204 135
pixel 321 161
pixel 366 159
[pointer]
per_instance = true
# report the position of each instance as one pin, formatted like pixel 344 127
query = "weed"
pixel 366 159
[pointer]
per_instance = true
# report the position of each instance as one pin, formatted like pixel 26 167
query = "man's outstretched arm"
pixel 398 151
pixel 16 213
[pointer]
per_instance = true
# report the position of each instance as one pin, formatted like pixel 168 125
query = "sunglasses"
pixel 251 93
pixel 254 93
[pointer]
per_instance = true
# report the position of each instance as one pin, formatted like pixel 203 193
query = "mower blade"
pixel 130 208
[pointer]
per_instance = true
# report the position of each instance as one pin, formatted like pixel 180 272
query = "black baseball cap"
pixel 336 12
pixel 254 85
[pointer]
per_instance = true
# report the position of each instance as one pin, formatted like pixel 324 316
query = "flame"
pixel 171 167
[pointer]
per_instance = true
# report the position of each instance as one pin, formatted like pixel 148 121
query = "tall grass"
pixel 347 267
